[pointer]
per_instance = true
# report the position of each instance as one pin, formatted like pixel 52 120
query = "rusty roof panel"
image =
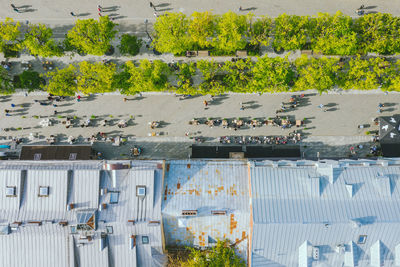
pixel 206 186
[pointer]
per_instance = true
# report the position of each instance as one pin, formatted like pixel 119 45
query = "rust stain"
pixel 220 188
pixel 168 167
pixel 165 192
pixel 191 191
pixel 197 193
pixel 188 166
pixel 217 171
pixel 243 234
pixel 188 177
pixel 178 185
pixel 209 192
pixel 232 224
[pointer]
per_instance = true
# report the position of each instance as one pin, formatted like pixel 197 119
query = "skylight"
pixel 140 191
pixel 10 191
pixel 114 197
pixel 145 239
pixel 43 191
pixel 362 239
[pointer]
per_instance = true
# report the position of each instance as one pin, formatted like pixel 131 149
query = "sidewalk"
pixel 338 123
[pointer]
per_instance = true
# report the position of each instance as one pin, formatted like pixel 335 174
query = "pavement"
pixel 330 132
pixel 133 13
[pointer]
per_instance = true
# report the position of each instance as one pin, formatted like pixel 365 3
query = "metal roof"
pixel 205 186
pixel 327 205
pixel 74 195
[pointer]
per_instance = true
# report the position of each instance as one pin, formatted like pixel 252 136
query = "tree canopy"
pixel 291 32
pixel 9 32
pixel 39 42
pixel 230 33
pixel 6 84
pixel 95 77
pixel 62 81
pixel 221 255
pixel 91 36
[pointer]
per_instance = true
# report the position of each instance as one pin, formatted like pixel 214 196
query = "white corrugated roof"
pixel 354 201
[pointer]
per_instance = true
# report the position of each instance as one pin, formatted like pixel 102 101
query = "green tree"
pixel 238 75
pixel 130 45
pixel 379 33
pixel 231 30
pixel 185 81
pixel 9 32
pixel 147 76
pixel 218 256
pixel 39 42
pixel 28 79
pixel 201 29
pixel 6 85
pixel 333 35
pixel 313 73
pixel 170 34
pixel 95 77
pixel 291 32
pixel 259 30
pixel 364 74
pixel 62 82
pixel 91 36
pixel 271 75
pixel 212 77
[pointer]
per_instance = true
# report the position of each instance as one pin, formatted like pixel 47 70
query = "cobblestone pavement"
pixel 330 132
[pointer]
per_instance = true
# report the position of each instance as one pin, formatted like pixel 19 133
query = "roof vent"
pixel 315 253
pixel 189 212
pixel 43 191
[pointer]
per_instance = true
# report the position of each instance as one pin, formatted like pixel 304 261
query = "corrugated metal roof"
pixel 33 247
pixel 205 186
pixel 287 212
pixel 79 183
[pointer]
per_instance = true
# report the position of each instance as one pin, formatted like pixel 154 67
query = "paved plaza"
pixel 131 14
pixel 330 130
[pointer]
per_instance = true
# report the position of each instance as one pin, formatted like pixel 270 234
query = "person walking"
pixel 155 14
pixel 16 10
pixel 73 14
pixel 240 8
pixel 78 98
pixel 99 8
pixel 100 14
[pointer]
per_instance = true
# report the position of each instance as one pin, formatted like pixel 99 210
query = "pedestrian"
pixel 205 103
pixel 54 105
pixel 321 106
pixel 100 8
pixel 16 10
pixel 155 14
pixel 13 105
pixel 73 14
pixel 55 112
pixel 240 8
pixel 78 98
pixel 100 14
pixel 380 105
pixel 125 99
pixel 242 107
pixel 6 111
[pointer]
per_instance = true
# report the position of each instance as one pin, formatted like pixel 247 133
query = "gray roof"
pixel 206 186
pixel 302 208
pixel 77 192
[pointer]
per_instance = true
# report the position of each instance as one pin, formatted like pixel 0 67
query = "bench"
pixel 203 53
pixel 191 53
pixel 306 52
pixel 241 53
